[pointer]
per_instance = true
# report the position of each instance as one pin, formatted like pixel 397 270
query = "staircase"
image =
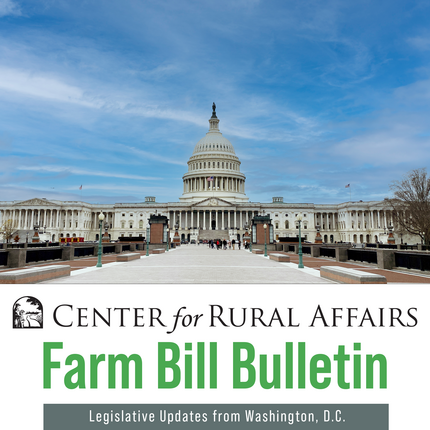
pixel 213 234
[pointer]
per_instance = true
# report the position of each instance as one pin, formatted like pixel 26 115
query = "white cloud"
pixel 420 42
pixel 153 156
pixel 75 171
pixel 31 84
pixel 9 7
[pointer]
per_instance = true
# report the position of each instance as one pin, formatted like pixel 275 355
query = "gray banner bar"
pixel 215 416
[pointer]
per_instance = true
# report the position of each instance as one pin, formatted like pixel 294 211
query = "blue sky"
pixel 114 95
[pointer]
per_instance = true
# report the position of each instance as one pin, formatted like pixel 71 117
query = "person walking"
pixel 238 244
pixel 233 242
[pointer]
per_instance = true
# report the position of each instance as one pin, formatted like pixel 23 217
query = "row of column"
pixel 205 220
pixel 326 220
pixel 219 183
pixel 109 218
pixel 214 165
pixel 376 220
pixel 49 218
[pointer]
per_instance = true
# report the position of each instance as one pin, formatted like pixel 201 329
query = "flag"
pixel 80 187
pixel 211 178
pixel 347 186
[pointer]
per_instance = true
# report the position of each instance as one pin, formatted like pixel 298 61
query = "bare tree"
pixel 411 204
pixel 6 230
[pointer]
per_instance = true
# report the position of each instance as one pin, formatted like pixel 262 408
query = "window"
pixel 131 214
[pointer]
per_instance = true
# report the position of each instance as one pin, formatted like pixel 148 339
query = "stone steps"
pixel 213 234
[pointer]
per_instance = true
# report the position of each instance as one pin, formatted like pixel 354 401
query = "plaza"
pixel 199 264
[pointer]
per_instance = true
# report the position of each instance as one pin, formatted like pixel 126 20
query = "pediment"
pixel 213 202
pixel 36 202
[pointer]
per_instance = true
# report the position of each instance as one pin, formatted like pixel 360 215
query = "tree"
pixel 411 204
pixel 6 230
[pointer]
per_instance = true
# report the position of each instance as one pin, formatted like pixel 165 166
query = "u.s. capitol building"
pixel 213 204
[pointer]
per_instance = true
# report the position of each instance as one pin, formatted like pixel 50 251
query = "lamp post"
pixel 250 238
pixel 147 241
pixel 99 253
pixel 265 241
pixel 167 239
pixel 299 219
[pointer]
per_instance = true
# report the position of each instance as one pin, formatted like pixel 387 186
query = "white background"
pixel 406 349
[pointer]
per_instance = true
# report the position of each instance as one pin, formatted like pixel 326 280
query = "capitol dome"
pixel 214 168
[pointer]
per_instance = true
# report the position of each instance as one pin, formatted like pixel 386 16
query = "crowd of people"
pixel 226 244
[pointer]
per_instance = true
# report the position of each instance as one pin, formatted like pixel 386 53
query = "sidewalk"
pixel 201 265
pixel 193 264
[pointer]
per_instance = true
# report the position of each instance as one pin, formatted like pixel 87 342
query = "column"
pixel 204 220
pixel 235 221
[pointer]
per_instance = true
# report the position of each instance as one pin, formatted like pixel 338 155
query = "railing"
pixel 3 258
pixel 126 247
pixel 370 245
pixel 83 251
pixel 43 254
pixel 291 248
pixel 306 249
pixel 328 252
pixel 108 249
pixel 409 247
pixel 387 246
pixel 36 245
pixel 412 261
pixel 363 255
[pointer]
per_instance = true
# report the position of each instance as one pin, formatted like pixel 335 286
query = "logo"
pixel 27 313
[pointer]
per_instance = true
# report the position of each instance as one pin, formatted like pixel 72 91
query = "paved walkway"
pixel 194 264
pixel 199 264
